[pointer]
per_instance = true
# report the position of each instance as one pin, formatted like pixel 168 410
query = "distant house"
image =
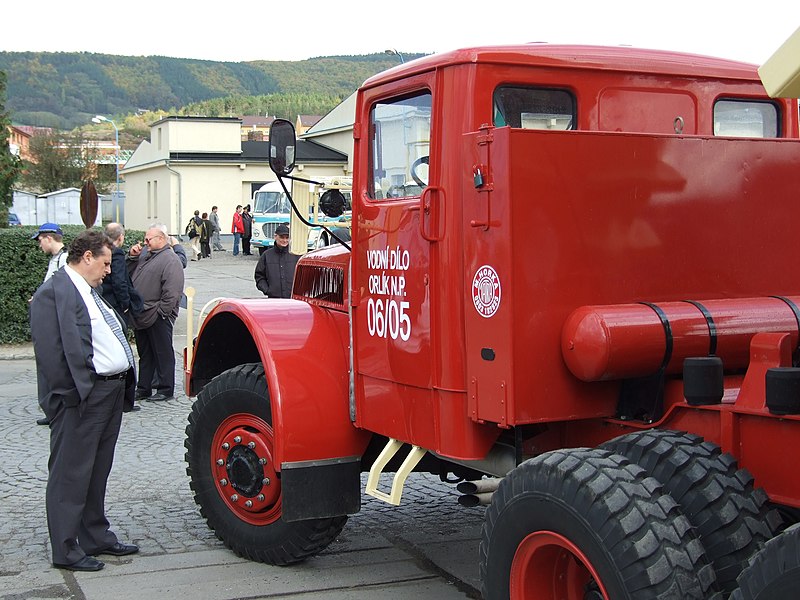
pixel 305 122
pixel 19 142
pixel 20 139
pixel 194 163
pixel 256 128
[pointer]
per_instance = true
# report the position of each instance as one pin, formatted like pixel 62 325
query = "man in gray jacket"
pixel 215 229
pixel 158 277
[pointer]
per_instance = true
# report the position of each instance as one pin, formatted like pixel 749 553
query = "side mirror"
pixel 281 147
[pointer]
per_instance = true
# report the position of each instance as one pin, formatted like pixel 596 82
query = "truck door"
pixel 392 259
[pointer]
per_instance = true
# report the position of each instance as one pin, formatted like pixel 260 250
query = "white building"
pixel 194 163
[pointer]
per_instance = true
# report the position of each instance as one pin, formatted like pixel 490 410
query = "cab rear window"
pixel 534 108
pixel 746 118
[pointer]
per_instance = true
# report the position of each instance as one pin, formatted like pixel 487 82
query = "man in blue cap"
pixel 50 238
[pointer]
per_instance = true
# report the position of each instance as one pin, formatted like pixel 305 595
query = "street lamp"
pixel 102 119
pixel 394 52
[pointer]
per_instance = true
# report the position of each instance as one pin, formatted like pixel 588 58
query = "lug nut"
pixel 265 481
pixel 260 497
pixel 263 461
pixel 226 446
pixel 235 498
pixel 223 482
pixel 238 439
pixel 249 504
pixel 251 445
pixel 220 462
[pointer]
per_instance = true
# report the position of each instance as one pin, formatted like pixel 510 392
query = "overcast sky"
pixel 246 30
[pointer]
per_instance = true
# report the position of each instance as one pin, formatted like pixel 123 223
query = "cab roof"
pixel 609 58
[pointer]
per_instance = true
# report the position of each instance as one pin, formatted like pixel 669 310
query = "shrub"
pixel 23 266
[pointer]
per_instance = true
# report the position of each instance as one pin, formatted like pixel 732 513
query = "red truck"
pixel 582 301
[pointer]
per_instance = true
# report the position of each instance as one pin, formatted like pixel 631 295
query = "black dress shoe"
pixel 119 549
pixel 87 563
pixel 43 421
pixel 133 408
pixel 159 398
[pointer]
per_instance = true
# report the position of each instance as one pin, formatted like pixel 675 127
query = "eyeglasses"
pixel 148 240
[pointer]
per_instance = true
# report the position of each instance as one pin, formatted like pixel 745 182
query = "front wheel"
pixel 229 452
pixel 587 524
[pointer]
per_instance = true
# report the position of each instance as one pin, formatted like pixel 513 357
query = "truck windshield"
pixel 271 202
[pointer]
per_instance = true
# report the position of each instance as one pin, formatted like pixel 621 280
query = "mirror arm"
pixel 297 212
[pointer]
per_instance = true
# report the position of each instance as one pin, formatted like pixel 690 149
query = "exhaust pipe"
pixel 478 492
pixel 479 486
pixel 470 500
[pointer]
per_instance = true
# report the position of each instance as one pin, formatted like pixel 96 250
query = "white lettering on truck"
pixel 387 312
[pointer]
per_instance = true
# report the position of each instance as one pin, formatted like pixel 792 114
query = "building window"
pixel 149 200
pixel 401 134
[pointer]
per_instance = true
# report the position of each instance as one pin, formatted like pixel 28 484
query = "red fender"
pixel 304 350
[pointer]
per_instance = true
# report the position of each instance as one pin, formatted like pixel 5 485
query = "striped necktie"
pixel 114 325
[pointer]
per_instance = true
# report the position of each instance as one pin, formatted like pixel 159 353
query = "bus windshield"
pixel 271 202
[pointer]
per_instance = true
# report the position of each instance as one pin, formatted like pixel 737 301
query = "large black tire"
pixel 587 523
pixel 233 410
pixel 773 573
pixel 731 517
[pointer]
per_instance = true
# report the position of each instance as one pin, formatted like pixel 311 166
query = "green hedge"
pixel 23 266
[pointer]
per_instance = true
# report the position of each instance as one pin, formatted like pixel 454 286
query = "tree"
pixel 10 164
pixel 58 161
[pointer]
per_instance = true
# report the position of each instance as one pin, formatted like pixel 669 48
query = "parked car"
pixel 13 220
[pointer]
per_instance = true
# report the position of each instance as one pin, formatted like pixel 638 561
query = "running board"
pixel 388 452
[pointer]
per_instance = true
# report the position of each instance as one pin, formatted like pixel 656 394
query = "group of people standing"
pixel 242 229
pixel 203 232
pixel 86 371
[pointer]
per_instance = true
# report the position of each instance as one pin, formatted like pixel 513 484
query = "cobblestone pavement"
pixel 149 501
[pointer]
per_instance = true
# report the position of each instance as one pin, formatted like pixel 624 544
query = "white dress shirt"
pixel 109 355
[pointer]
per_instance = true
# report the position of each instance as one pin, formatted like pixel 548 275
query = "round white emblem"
pixel 486 291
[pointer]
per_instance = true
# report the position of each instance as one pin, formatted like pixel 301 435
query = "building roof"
pixel 257 121
pixel 309 120
pixel 307 152
pixel 341 117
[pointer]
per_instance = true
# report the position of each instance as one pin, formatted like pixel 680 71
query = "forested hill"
pixel 65 89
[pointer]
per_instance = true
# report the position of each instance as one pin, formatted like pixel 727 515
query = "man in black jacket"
pixel 275 269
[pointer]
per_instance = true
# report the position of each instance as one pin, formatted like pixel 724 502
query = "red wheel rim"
pixel 548 565
pixel 244 470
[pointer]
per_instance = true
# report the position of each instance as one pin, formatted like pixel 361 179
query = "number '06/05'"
pixel 388 318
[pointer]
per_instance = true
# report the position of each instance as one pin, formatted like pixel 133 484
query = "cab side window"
pixel 400 135
pixel 534 108
pixel 746 118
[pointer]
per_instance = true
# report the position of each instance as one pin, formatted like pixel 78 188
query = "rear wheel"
pixel 588 525
pixel 229 451
pixel 731 517
pixel 774 573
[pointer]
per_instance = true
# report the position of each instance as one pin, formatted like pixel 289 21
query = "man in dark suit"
pixel 84 364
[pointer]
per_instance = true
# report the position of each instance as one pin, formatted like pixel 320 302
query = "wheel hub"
pixel 244 471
